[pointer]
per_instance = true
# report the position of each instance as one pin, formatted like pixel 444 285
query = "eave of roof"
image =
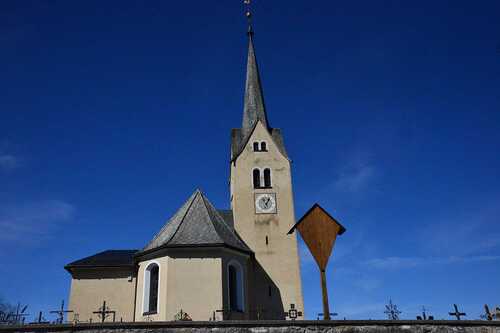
pixel 105 259
pixel 167 247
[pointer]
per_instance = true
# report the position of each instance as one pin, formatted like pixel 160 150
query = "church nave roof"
pixel 198 223
pixel 109 258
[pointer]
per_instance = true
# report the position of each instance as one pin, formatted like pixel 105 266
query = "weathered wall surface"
pixel 277 275
pixel 372 326
pixel 90 288
pixel 195 286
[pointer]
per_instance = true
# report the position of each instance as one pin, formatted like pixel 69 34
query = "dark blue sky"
pixel 112 113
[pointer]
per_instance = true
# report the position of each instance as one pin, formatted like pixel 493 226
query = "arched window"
pixel 151 279
pixel 255 146
pixel 263 146
pixel 256 178
pixel 267 177
pixel 235 284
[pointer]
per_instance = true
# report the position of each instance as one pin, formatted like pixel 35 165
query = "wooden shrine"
pixel 319 231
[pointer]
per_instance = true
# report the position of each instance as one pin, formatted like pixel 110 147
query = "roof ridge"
pixel 221 221
pixel 204 199
pixel 196 193
pixel 167 224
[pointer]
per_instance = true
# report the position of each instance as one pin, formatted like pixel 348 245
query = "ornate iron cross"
pixel 392 312
pixel 321 314
pixel 457 313
pixel 293 313
pixel 424 315
pixel 60 313
pixel 40 319
pixel 103 312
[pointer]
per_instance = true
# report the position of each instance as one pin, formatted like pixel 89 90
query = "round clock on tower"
pixel 265 203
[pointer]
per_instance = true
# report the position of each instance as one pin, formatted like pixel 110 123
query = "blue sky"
pixel 113 113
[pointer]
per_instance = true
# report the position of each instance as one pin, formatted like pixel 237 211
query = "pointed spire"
pixel 254 108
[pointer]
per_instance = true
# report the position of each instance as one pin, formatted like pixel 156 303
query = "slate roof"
pixel 254 108
pixel 198 223
pixel 109 258
pixel 227 215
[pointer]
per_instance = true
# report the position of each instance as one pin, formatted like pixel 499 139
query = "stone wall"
pixel 345 326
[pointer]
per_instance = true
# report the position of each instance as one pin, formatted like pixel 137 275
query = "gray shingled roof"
pixel 109 258
pixel 227 215
pixel 254 108
pixel 197 223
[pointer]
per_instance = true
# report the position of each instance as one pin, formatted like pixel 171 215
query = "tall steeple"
pixel 254 108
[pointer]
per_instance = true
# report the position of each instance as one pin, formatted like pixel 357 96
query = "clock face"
pixel 265 203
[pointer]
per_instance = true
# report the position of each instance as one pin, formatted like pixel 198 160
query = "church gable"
pixel 240 142
pixel 261 140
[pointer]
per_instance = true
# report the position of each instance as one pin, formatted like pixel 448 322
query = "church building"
pixel 210 263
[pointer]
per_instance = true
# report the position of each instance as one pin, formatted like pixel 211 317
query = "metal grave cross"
pixel 293 313
pixel 392 312
pixel 104 311
pixel 20 314
pixel 457 313
pixel 60 313
pixel 321 314
pixel 40 319
pixel 182 316
pixel 424 315
pixel 487 314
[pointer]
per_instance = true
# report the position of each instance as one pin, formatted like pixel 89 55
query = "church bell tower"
pixel 262 203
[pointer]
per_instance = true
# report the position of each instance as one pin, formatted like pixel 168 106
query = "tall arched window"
pixel 255 146
pixel 151 279
pixel 263 146
pixel 235 284
pixel 267 177
pixel 256 178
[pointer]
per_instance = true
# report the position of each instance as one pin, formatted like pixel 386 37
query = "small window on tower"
pixel 263 146
pixel 256 178
pixel 267 177
pixel 255 146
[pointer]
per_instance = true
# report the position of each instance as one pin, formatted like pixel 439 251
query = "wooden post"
pixel 326 307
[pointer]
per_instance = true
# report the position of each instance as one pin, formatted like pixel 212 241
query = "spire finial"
pixel 254 108
pixel 248 14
